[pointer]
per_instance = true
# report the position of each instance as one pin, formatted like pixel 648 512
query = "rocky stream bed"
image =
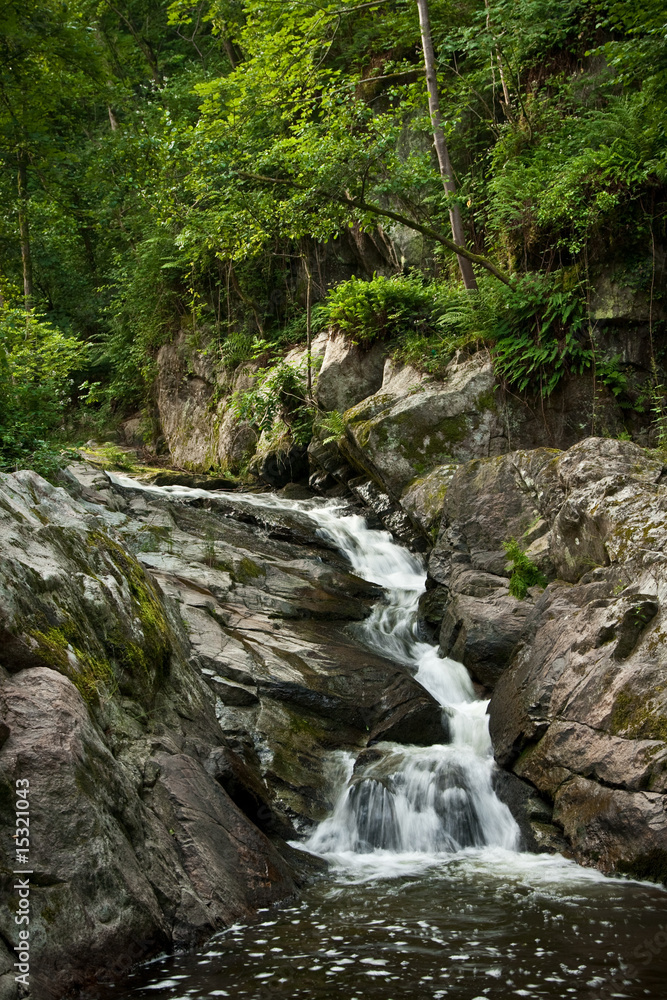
pixel 185 677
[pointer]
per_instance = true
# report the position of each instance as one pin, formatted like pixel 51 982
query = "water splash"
pixel 409 800
pixel 412 799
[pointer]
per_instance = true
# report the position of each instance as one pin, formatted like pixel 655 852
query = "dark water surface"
pixel 485 924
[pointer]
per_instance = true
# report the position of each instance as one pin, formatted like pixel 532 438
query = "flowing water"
pixel 428 894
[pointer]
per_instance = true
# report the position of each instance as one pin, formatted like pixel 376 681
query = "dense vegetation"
pixel 168 166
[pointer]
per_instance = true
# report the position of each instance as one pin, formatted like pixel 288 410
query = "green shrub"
pixel 539 334
pixel 381 309
pixel 37 362
pixel 331 425
pixel 525 573
pixel 277 396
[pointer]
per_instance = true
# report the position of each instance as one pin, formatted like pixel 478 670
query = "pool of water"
pixel 483 924
pixel 469 917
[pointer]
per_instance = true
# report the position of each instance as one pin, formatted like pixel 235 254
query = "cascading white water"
pixel 412 799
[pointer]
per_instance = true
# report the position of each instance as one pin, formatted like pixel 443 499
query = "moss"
pixel 638 717
pixel 146 662
pixel 94 675
pixel 52 647
pixel 152 537
pixel 49 915
pixel 362 431
pixel 88 673
pixel 247 570
pixel 651 866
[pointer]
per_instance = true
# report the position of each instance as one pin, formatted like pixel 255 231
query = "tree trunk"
pixel 446 171
pixel 501 68
pixel 309 332
pixel 24 230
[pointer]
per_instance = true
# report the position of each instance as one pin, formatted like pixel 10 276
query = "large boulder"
pixel 349 373
pixel 579 703
pixel 413 423
pixel 134 847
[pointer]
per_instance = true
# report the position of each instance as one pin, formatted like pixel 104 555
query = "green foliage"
pixel 182 163
pixel 525 573
pixel 380 309
pixel 537 329
pixel 659 411
pixel 277 401
pixel 331 426
pixel 37 363
pixel 539 334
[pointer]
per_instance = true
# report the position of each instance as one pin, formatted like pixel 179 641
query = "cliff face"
pixel 578 670
pixel 171 683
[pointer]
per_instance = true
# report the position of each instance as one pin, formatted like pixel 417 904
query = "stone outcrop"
pixel 134 846
pixel 410 432
pixel 413 424
pixel 194 392
pixel 194 406
pixel 578 670
pixel 172 681
pixel 349 373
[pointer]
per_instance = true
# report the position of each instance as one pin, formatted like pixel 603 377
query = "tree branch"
pixel 363 206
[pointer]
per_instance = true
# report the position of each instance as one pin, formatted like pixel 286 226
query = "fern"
pixel 332 425
pixel 525 573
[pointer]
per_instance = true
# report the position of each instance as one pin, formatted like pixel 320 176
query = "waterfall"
pixel 404 799
pixel 413 799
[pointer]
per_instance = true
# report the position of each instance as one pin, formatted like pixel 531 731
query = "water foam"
pixel 418 802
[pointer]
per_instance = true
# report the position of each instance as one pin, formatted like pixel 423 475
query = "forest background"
pixel 168 167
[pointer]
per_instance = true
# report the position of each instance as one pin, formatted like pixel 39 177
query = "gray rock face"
pixel 194 399
pixel 424 498
pixel 200 434
pixel 134 846
pixel 412 424
pixel 172 680
pixel 579 704
pixel 349 373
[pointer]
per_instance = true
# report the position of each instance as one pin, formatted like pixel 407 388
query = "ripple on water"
pixel 481 925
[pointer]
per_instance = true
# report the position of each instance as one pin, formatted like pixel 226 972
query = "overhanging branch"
pixel 364 206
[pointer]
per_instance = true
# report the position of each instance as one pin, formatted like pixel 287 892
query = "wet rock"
pixel 247 790
pixel 407 714
pixel 328 460
pixel 388 512
pixel 134 846
pixel 173 478
pixel 232 693
pixel 483 632
pixel 229 862
pixel 532 812
pixel 579 705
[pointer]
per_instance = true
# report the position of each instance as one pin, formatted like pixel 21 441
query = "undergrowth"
pixel 525 573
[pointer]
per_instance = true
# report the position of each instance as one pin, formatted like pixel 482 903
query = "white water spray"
pixel 413 799
pixel 407 800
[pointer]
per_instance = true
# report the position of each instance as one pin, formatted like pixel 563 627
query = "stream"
pixel 428 893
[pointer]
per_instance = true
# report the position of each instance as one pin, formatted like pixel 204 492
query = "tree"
pixel 446 171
